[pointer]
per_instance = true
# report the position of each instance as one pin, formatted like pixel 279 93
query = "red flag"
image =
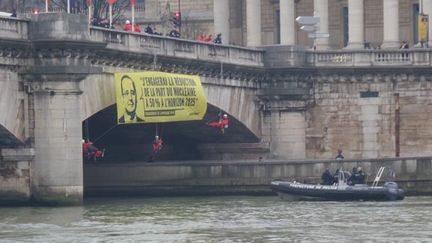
pixel 111 2
pixel 88 2
pixel 132 2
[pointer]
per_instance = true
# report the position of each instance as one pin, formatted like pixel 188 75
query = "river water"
pixel 220 219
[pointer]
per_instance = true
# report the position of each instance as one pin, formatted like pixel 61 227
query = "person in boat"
pixel 354 178
pixel 336 176
pixel 362 177
pixel 327 178
pixel 222 124
pixel 339 156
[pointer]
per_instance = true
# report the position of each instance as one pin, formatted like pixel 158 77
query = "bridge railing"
pixel 18 29
pixel 369 58
pixel 13 28
pixel 179 48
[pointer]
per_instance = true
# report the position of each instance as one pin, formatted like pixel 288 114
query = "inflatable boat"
pixel 389 191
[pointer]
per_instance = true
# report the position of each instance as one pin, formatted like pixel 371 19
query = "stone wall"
pixel 365 127
pixel 240 177
pixel 285 132
pixel 15 175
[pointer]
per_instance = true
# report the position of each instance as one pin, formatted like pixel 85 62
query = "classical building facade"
pixel 350 23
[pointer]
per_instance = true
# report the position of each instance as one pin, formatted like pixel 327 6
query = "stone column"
pixel 221 19
pixel 356 24
pixel 427 9
pixel 61 43
pixel 391 24
pixel 321 10
pixel 287 22
pixel 57 171
pixel 253 22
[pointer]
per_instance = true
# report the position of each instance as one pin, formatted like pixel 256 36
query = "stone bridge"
pixel 56 86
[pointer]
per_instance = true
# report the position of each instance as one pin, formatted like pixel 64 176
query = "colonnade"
pixel 321 8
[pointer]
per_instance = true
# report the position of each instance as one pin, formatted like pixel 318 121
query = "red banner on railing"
pixel 111 2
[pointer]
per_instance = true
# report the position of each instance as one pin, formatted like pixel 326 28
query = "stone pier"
pixel 53 88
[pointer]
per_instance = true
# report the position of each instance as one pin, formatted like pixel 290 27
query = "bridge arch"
pixel 228 96
pixel 12 115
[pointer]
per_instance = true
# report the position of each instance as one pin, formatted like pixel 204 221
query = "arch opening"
pixel 125 143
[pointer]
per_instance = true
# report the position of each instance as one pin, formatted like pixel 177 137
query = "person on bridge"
pixel 222 124
pixel 148 30
pixel 218 39
pixel 209 38
pixel 137 28
pixel 200 38
pixel 128 26
pixel 174 33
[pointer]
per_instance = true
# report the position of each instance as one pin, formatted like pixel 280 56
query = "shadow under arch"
pixel 182 137
pixel 8 139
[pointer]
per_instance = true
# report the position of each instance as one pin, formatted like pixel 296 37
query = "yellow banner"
pixel 148 97
pixel 423 26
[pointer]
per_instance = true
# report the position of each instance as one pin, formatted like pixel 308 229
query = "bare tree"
pixel 165 19
pixel 99 8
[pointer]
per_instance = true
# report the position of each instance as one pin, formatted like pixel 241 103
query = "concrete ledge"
pixel 20 154
pixel 238 177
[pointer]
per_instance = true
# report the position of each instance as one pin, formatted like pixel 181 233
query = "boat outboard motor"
pixel 394 190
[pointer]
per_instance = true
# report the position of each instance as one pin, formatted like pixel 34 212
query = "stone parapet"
pixel 369 58
pixel 279 56
pixel 45 26
pixel 59 26
pixel 177 48
pixel 13 28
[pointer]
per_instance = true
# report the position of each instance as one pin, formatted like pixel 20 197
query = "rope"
pixel 157 129
pixel 103 134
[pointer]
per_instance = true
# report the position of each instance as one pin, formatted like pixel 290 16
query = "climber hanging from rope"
pixel 91 152
pixel 157 144
pixel 222 124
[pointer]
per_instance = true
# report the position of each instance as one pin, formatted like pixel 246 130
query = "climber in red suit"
pixel 222 124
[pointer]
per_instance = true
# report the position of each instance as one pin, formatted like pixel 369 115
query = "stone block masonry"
pixel 15 187
pixel 240 177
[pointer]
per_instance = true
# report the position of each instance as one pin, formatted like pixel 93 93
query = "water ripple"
pixel 220 219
